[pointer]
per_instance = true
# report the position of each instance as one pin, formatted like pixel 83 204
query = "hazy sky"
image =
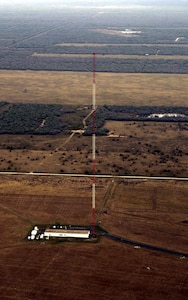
pixel 95 2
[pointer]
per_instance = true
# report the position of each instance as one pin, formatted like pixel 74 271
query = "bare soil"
pixel 116 32
pixel 148 211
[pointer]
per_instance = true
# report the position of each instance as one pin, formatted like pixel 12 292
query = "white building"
pixel 62 233
pixel 130 31
pixel 168 115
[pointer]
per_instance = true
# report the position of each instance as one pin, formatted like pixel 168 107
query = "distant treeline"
pixel 53 118
pixel 119 112
pixel 23 60
pixel 136 113
pixel 23 35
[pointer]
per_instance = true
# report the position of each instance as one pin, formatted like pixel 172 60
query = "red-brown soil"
pixel 147 211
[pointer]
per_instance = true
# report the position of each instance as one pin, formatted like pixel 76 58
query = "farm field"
pixel 76 88
pixel 32 270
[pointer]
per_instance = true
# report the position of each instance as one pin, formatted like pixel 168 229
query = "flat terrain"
pixel 76 88
pixel 151 39
pixel 133 148
pixel 148 211
pixel 62 40
pixel 153 212
pixel 121 56
pixel 122 45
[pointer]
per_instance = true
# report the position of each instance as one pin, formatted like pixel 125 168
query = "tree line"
pixel 20 118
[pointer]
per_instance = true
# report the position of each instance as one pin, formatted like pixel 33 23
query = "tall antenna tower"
pixel 93 146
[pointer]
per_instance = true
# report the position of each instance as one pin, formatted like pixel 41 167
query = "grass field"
pixel 76 88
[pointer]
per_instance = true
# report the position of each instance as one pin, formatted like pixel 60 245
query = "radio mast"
pixel 94 146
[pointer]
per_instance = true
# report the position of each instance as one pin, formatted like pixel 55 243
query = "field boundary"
pixel 114 56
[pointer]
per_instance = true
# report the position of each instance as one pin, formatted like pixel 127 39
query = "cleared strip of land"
pixel 76 88
pixel 114 56
pixel 122 45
